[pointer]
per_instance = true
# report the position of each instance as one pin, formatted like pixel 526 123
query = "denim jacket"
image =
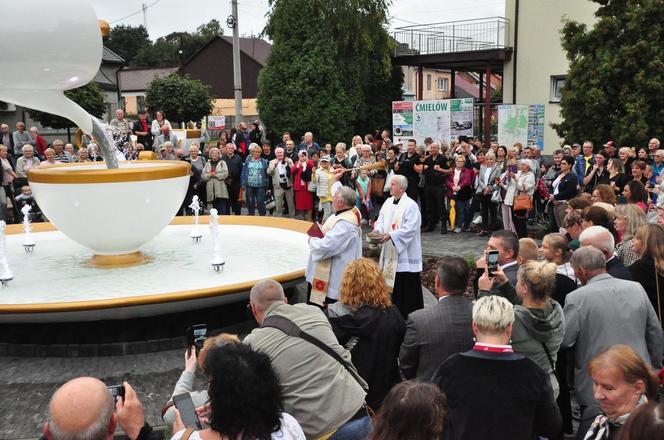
pixel 245 173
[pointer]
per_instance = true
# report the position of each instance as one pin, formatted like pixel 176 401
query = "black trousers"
pixel 233 193
pixel 520 219
pixel 435 202
pixel 413 191
pixel 472 208
pixel 489 213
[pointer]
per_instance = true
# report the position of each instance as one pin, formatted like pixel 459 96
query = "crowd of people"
pixel 568 328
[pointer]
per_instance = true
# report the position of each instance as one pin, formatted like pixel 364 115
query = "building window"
pixel 557 84
pixel 428 82
pixel 140 103
pixel 443 84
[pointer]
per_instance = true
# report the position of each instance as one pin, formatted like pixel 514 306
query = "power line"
pixel 135 13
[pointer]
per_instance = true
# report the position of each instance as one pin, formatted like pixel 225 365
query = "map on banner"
pixel 521 123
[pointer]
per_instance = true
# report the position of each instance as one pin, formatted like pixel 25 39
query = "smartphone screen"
pixel 196 335
pixel 116 391
pixel 185 405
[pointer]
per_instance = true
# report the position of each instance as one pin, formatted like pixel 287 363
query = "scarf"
pixel 389 257
pixel 602 426
pixel 322 269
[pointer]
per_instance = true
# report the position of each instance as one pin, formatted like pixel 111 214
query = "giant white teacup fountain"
pixel 111 208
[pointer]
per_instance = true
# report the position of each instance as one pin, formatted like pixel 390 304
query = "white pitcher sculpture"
pixel 112 208
pixel 60 50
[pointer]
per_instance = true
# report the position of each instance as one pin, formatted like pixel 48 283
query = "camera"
pixel 116 391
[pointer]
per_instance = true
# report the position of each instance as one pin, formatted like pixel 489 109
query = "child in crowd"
pixel 324 179
pixel 362 185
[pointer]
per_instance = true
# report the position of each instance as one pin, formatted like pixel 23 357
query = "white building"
pixel 538 66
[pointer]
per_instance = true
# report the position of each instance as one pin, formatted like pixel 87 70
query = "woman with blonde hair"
pixel 628 218
pixel 539 324
pixel 649 269
pixel 367 323
pixel 623 381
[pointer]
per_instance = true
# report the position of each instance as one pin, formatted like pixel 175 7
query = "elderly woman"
pixel 459 189
pixel 638 171
pixel 520 183
pixel 628 219
pixel 626 159
pixel 622 382
pixel 340 160
pixel 255 180
pixel 486 185
pixel 648 270
pixel 214 174
pixel 197 164
pixel 473 380
pixel 246 401
pixel 24 163
pixel 158 122
pixel 411 410
pixel 367 323
pixel 302 173
pixel 49 154
pixel 84 156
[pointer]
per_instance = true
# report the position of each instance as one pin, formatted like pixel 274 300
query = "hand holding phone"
pixel 185 405
pixel 196 336
pixel 491 262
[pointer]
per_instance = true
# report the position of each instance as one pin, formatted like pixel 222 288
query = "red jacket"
pixel 466 179
pixel 41 145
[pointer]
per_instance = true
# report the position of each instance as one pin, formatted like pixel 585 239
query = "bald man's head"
pixel 81 409
pixel 266 292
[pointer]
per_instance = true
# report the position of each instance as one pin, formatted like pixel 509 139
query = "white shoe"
pixel 457 230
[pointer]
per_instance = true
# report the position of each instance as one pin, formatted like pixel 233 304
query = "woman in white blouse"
pixel 521 182
pixel 158 122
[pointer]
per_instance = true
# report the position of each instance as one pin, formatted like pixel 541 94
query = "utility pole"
pixel 232 22
pixel 145 16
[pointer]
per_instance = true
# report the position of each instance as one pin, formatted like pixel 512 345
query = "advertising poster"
pixel 402 120
pixel 521 123
pixel 216 122
pixel 461 111
pixel 536 125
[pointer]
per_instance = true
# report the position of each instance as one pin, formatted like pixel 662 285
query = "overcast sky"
pixel 167 16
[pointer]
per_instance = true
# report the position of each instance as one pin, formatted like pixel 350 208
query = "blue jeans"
pixel 255 196
pixel 460 209
pixel 356 430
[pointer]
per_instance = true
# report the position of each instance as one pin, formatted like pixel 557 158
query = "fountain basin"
pixel 112 212
pixel 53 285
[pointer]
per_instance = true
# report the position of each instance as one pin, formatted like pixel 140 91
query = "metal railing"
pixel 454 36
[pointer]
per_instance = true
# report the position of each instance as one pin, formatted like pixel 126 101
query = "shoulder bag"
pixel 522 202
pixel 291 329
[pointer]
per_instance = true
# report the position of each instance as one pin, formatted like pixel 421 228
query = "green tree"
pixel 127 41
pixel 181 98
pixel 175 48
pixel 615 82
pixel 300 89
pixel 90 97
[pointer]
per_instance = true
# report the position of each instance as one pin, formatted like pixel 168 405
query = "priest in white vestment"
pixel 401 256
pixel 342 243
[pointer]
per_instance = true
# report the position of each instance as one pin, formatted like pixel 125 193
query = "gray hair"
pixel 527 162
pixel 278 149
pixel 96 431
pixel 266 292
pixel 401 180
pixel 589 258
pixel 493 314
pixel 26 147
pixel 598 236
pixel 253 146
pixel 347 194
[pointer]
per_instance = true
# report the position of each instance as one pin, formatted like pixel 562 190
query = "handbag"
pixel 522 202
pixel 312 186
pixel 270 202
pixel 495 196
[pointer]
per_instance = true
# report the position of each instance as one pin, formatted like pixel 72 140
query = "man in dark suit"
pixel 603 240
pixel 507 245
pixel 439 331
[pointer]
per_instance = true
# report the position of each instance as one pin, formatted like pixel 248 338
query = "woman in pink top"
pixel 459 188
